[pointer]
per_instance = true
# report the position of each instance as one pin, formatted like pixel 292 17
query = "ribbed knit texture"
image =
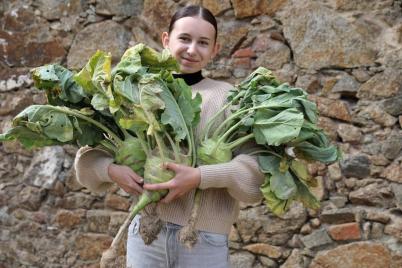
pixel 223 185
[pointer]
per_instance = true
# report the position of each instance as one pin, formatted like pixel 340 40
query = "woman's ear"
pixel 216 49
pixel 165 39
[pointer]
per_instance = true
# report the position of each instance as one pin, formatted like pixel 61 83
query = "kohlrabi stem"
pixel 227 133
pixel 160 145
pixel 192 149
pixel 219 113
pixel 144 145
pixel 240 141
pixel 265 151
pixel 174 147
pixel 75 113
pixel 233 116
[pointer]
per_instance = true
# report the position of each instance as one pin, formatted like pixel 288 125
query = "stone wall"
pixel 346 53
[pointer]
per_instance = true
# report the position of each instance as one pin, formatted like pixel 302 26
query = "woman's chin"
pixel 188 70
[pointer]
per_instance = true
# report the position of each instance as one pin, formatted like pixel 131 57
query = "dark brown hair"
pixel 194 11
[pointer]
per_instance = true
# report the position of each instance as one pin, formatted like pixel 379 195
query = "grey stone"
pixel 358 254
pixel 316 239
pixel 397 189
pixel 361 75
pixel 98 221
pixel 319 38
pixel 295 260
pixel 276 55
pixel 114 39
pixel 308 82
pixel 378 216
pixel 356 166
pixel 349 133
pixel 383 85
pixel 377 230
pixel 45 167
pixel 339 201
pixel 346 85
pixel 116 220
pixel 374 194
pixel 267 227
pixel 267 262
pixel 124 8
pixel 337 216
pixel 393 105
pixel 374 113
pixel 75 200
pixel 242 260
pixel 29 198
pixel 392 146
pixel 393 58
pixel 55 9
pixel 393 172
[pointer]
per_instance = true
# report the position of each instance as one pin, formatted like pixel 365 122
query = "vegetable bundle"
pixel 278 123
pixel 137 111
pixel 144 117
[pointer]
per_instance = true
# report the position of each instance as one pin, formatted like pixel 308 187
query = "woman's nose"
pixel 191 49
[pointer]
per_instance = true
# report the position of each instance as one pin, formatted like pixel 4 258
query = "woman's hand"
pixel 126 178
pixel 186 179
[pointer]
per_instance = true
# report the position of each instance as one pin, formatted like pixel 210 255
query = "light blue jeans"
pixel 210 251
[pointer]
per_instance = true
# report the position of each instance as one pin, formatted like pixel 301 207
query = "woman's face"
pixel 192 43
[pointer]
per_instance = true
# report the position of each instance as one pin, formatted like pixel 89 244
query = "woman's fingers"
pixel 159 186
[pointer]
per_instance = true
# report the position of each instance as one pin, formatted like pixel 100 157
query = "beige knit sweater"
pixel 223 185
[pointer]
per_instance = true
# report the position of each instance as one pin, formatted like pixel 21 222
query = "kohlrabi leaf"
pixel 283 185
pixel 95 75
pixel 307 150
pixel 132 154
pixel 58 82
pixel 305 196
pixel 27 137
pixel 277 206
pixel 41 125
pixel 278 129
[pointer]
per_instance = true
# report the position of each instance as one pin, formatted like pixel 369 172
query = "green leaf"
pixel 282 185
pixel 309 151
pixel 277 206
pixel 278 129
pixel 300 170
pixel 131 153
pixel 305 196
pixel 128 88
pixel 54 125
pixel 100 102
pixel 61 89
pixel 28 138
pixel 269 163
pixel 45 77
pixel 41 125
pixel 95 73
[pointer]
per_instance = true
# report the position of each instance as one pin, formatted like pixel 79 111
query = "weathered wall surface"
pixel 346 53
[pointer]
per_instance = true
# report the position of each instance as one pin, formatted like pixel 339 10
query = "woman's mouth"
pixel 189 60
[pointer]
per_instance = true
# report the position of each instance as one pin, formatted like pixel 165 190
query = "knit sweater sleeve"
pixel 91 167
pixel 241 176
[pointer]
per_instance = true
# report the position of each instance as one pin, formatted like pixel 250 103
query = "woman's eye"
pixel 184 38
pixel 204 43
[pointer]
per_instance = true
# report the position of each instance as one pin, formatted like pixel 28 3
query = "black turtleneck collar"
pixel 190 79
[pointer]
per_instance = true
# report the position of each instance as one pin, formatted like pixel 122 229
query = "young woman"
pixel 192 41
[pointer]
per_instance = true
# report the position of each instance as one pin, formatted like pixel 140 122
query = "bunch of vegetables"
pixel 278 123
pixel 137 111
pixel 144 117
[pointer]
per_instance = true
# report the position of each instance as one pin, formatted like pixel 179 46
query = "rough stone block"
pixel 346 231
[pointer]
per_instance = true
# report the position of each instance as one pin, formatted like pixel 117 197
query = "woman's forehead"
pixel 194 26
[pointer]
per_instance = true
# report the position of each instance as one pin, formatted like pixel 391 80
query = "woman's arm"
pixel 95 170
pixel 241 176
